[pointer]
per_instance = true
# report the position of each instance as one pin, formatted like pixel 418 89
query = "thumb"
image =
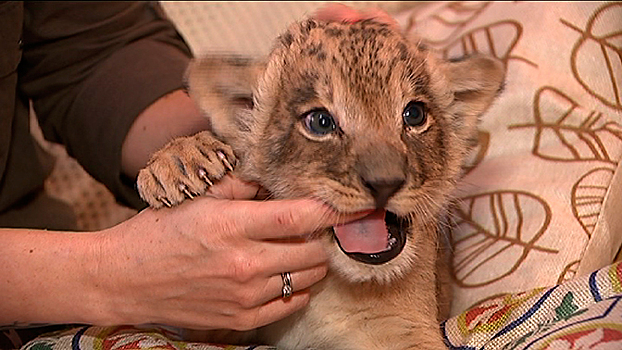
pixel 231 187
pixel 336 12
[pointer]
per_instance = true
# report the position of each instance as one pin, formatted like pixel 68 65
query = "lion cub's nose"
pixel 383 189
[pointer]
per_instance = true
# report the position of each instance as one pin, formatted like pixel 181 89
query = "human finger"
pixel 337 13
pixel 280 219
pixel 277 257
pixel 342 13
pixel 380 16
pixel 228 315
pixel 273 311
pixel 298 281
pixel 231 187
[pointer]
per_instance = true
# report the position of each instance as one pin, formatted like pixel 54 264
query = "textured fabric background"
pixel 249 27
pixel 549 148
pixel 542 201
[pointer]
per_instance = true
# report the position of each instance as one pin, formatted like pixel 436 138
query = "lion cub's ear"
pixel 474 83
pixel 222 87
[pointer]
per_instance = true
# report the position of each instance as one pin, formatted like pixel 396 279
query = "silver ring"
pixel 287 285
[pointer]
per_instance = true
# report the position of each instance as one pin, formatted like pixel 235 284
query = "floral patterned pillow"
pixel 583 313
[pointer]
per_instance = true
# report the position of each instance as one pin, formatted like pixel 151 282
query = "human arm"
pixel 179 266
pixel 92 68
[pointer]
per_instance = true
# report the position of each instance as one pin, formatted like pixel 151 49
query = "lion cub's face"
pixel 358 117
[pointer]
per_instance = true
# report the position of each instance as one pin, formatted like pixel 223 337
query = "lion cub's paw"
pixel 184 168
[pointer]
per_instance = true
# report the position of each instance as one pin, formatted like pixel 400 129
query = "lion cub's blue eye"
pixel 320 122
pixel 414 114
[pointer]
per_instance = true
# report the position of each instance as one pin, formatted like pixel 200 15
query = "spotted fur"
pixel 364 74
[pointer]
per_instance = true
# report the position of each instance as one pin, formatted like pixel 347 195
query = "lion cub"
pixel 361 118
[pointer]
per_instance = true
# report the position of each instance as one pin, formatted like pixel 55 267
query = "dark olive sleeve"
pixel 90 69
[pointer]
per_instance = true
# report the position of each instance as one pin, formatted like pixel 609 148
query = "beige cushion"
pixel 544 200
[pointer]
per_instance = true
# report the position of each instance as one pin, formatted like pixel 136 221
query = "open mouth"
pixel 375 239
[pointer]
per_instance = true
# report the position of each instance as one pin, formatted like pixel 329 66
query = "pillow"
pixel 542 198
pixel 540 202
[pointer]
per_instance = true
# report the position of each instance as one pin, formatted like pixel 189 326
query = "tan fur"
pixel 364 74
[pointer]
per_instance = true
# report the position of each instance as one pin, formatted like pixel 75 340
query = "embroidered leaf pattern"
pixel 565 132
pixel 596 58
pixel 478 154
pixel 567 309
pixel 41 345
pixel 447 21
pixel 494 313
pixel 588 195
pixel 493 235
pixel 496 39
pixel 569 272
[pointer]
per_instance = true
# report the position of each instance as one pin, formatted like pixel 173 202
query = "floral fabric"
pixel 584 313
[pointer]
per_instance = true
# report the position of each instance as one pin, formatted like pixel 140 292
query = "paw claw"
pixel 184 169
pixel 183 188
pixel 203 176
pixel 165 201
pixel 223 159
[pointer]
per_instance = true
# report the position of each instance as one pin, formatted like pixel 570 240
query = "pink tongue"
pixel 368 235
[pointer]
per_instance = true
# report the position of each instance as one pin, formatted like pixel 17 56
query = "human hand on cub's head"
pixel 342 13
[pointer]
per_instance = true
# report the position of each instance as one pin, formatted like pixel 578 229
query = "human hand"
pixel 215 263
pixel 341 13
